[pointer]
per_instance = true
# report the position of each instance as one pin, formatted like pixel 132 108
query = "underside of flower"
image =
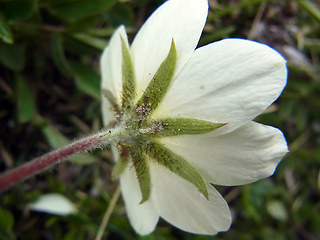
pixel 185 116
pixel 141 146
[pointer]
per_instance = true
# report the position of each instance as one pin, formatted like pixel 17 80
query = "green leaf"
pixel 26 107
pixel 180 126
pixel 73 10
pixel 6 34
pixel 6 219
pixel 160 82
pixel 310 8
pixel 12 56
pixel 177 165
pixel 6 225
pixel 142 170
pixel 234 7
pixel 78 48
pixel 56 140
pixel 58 55
pixel 95 42
pixel 83 24
pixel 87 80
pixel 18 9
pixel 54 137
pixel 128 77
pixel 250 208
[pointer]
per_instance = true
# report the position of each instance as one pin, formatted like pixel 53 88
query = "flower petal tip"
pixel 53 203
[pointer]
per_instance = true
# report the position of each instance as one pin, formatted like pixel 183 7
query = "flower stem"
pixel 39 164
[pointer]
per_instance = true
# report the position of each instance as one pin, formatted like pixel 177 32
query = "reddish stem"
pixel 37 165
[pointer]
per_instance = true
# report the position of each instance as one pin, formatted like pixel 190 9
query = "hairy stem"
pixel 39 164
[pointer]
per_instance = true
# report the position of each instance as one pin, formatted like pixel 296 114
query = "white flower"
pixel 222 86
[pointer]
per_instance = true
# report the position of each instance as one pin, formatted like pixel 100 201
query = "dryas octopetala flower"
pixel 187 114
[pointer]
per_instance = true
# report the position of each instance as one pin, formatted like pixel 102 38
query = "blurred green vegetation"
pixel 49 94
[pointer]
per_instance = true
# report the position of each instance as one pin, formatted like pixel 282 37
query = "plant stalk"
pixel 39 164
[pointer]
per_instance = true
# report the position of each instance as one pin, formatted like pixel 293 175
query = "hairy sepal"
pixel 160 82
pixel 128 77
pixel 181 126
pixel 141 167
pixel 176 164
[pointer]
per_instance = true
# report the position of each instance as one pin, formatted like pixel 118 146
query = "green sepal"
pixel 128 77
pixel 142 170
pixel 176 164
pixel 112 100
pixel 121 164
pixel 181 126
pixel 160 82
pixel 6 34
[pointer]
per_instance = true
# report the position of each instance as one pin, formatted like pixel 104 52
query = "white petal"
pixel 53 203
pixel 111 71
pixel 243 156
pixel 230 81
pixel 142 217
pixel 183 206
pixel 179 19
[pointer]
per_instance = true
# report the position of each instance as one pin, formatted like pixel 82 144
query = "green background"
pixel 49 95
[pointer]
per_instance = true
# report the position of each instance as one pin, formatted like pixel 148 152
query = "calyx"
pixel 141 146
